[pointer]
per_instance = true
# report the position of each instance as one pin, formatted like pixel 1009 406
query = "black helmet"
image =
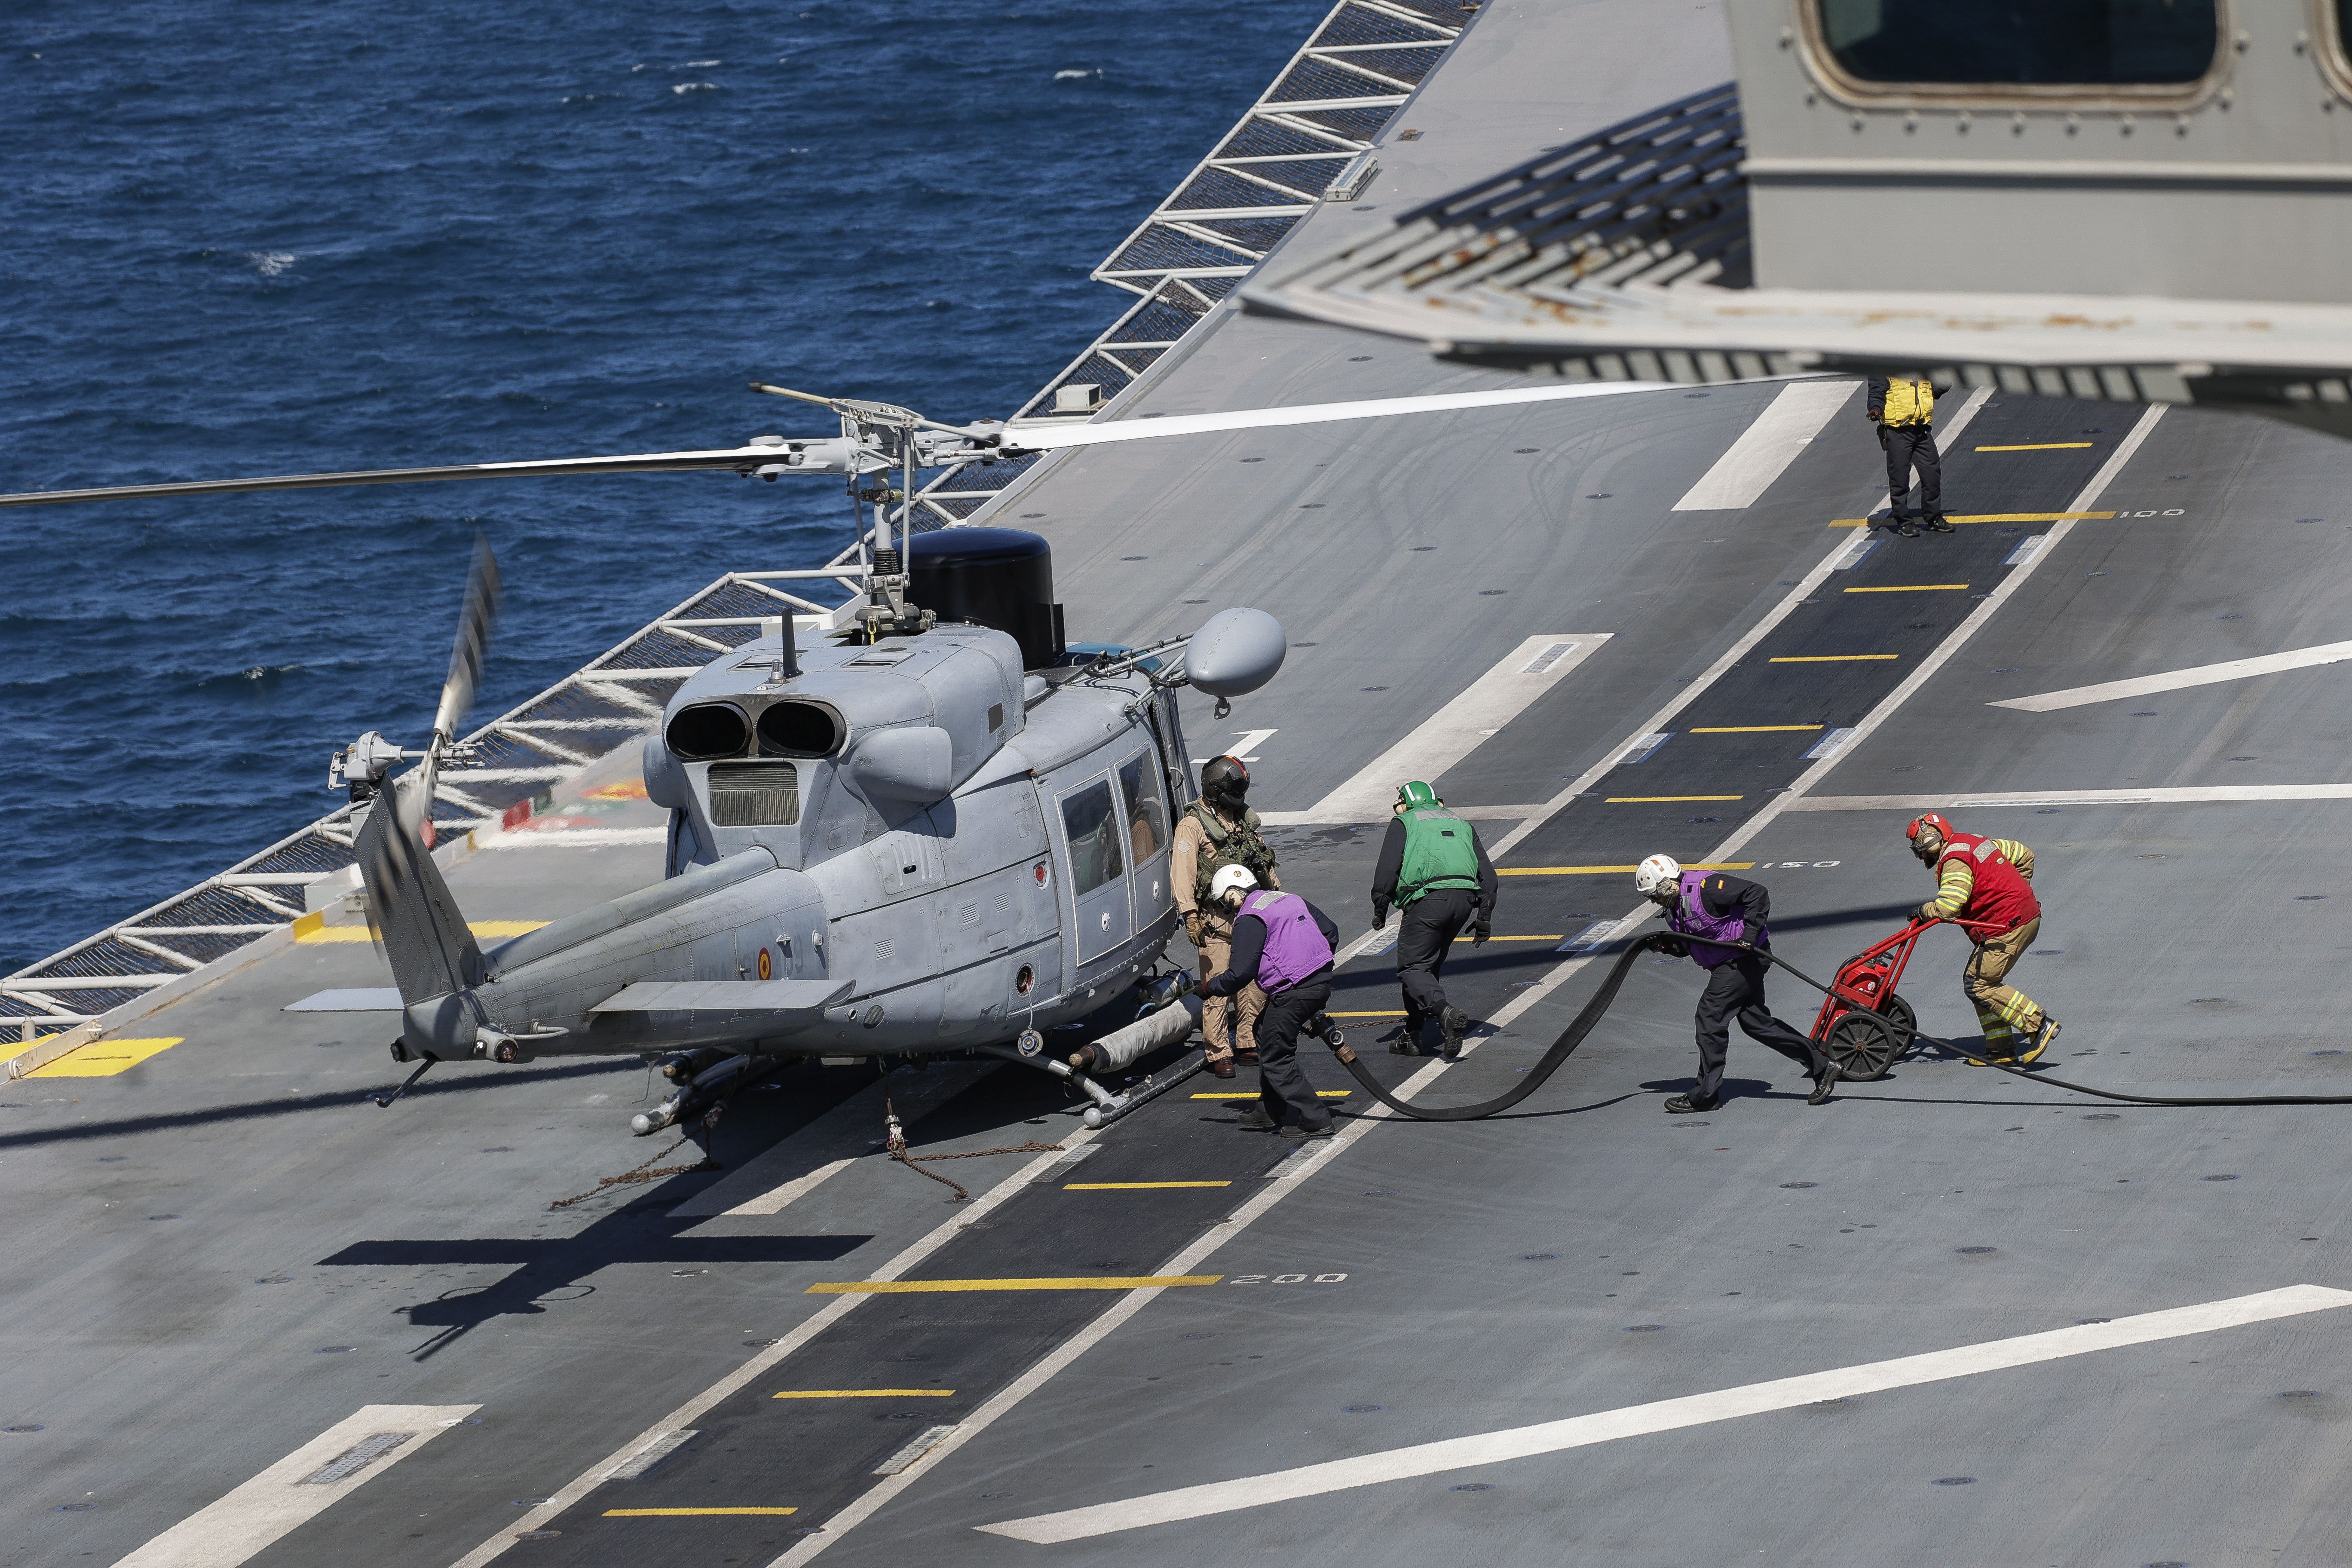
pixel 1224 781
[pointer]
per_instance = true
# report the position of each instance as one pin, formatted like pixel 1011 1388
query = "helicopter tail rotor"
pixel 473 642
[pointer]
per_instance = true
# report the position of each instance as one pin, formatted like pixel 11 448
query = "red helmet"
pixel 1924 824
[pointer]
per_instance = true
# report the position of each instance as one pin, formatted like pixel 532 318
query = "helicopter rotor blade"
pixel 833 454
pixel 855 407
pixel 1044 435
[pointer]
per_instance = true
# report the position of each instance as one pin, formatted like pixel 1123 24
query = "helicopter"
pixel 937 831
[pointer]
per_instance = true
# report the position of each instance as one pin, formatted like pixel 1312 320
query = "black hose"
pixel 1588 1016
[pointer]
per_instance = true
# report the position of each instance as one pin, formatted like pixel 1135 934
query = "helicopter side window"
pixel 755 795
pixel 1146 825
pixel 1091 819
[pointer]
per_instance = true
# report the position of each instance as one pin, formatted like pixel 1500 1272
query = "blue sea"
pixel 239 237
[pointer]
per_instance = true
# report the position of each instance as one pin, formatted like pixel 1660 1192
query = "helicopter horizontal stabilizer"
pixel 804 996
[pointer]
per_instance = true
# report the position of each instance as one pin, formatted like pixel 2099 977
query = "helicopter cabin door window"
pixel 1096 831
pixel 2010 49
pixel 1147 837
pixel 755 795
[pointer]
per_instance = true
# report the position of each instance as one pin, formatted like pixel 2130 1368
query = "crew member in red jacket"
pixel 1988 880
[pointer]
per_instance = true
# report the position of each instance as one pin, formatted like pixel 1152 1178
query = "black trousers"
pixel 1282 1086
pixel 1736 990
pixel 1910 447
pixel 1425 931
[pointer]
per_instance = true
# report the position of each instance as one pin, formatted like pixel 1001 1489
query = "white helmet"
pixel 1658 872
pixel 1230 885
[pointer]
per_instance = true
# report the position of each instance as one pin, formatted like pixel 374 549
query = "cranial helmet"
pixel 1928 834
pixel 1224 781
pixel 1416 793
pixel 1230 885
pixel 1658 876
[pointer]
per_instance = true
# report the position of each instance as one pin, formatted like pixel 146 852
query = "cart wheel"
pixel 1898 1013
pixel 1860 1047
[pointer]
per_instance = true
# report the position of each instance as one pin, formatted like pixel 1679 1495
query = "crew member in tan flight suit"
pixel 1220 830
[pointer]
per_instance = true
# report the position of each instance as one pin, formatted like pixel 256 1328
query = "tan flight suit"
pixel 1217 1013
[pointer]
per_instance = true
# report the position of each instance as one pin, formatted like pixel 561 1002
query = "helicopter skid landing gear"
pixel 1108 1107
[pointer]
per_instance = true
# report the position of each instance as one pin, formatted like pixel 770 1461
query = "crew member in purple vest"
pixel 1707 911
pixel 1285 943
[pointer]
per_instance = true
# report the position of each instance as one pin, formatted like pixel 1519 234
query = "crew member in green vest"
pixel 1436 873
pixel 1904 409
pixel 1219 830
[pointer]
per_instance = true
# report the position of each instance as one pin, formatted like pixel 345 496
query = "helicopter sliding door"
pixel 1147 841
pixel 1096 831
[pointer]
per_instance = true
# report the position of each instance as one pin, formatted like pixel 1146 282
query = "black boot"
pixel 1454 1021
pixel 1906 527
pixel 1823 1084
pixel 1684 1104
pixel 1255 1120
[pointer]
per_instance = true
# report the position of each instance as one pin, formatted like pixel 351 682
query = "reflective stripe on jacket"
pixel 1975 881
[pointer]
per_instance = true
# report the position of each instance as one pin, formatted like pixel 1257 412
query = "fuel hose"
pixel 1588 1017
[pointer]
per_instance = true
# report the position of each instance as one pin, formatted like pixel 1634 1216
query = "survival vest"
pixel 1295 948
pixel 1907 403
pixel 1236 846
pixel 1691 919
pixel 1438 853
pixel 1999 895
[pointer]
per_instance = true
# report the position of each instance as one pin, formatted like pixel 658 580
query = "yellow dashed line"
pixel 2037 446
pixel 305 933
pixel 865 1393
pixel 1832 657
pixel 1991 517
pixel 951 1287
pixel 1752 729
pixel 1398 1014
pixel 1320 1094
pixel 1619 871
pixel 1137 1186
pixel 1651 799
pixel 689 1512
pixel 1913 588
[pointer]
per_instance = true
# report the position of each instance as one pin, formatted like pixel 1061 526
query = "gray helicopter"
pixel 935 830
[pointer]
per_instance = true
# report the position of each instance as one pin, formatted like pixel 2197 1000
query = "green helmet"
pixel 1416 793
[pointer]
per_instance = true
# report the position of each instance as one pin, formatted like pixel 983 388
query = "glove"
pixel 1673 947
pixel 1925 913
pixel 1481 932
pixel 1379 917
pixel 1193 925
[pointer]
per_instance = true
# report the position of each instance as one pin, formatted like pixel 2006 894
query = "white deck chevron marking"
pixel 1045 437
pixel 1666 1416
pixel 1766 449
pixel 2179 679
pixel 1454 732
pixel 298 1488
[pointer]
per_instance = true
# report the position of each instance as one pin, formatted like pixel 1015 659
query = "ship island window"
pixel 1092 823
pixel 2021 43
pixel 755 795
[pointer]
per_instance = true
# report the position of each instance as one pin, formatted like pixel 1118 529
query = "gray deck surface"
pixel 189 1237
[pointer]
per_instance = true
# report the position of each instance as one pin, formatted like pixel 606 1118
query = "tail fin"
pixel 410 910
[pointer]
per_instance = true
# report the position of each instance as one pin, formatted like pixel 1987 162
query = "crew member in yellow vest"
pixel 1219 830
pixel 1904 409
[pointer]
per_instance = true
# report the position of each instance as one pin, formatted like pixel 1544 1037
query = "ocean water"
pixel 240 238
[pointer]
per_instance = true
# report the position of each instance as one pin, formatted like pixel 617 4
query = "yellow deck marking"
pixel 1398 1013
pixel 1751 729
pixel 104 1058
pixel 359 933
pixel 1913 588
pixel 951 1287
pixel 1991 517
pixel 689 1512
pixel 1649 799
pixel 1320 1094
pixel 1832 657
pixel 1135 1187
pixel 1600 871
pixel 1546 936
pixel 866 1393
pixel 2036 446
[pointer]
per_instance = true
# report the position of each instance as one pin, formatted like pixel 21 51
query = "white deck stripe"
pixel 1668 1416
pixel 1454 732
pixel 766 1182
pixel 278 1500
pixel 2211 794
pixel 570 838
pixel 2177 679
pixel 1766 449
pixel 1047 437
pixel 778 1199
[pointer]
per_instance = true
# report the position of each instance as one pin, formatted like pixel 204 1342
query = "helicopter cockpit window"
pixel 708 730
pixel 2020 43
pixel 755 795
pixel 1147 825
pixel 1090 818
